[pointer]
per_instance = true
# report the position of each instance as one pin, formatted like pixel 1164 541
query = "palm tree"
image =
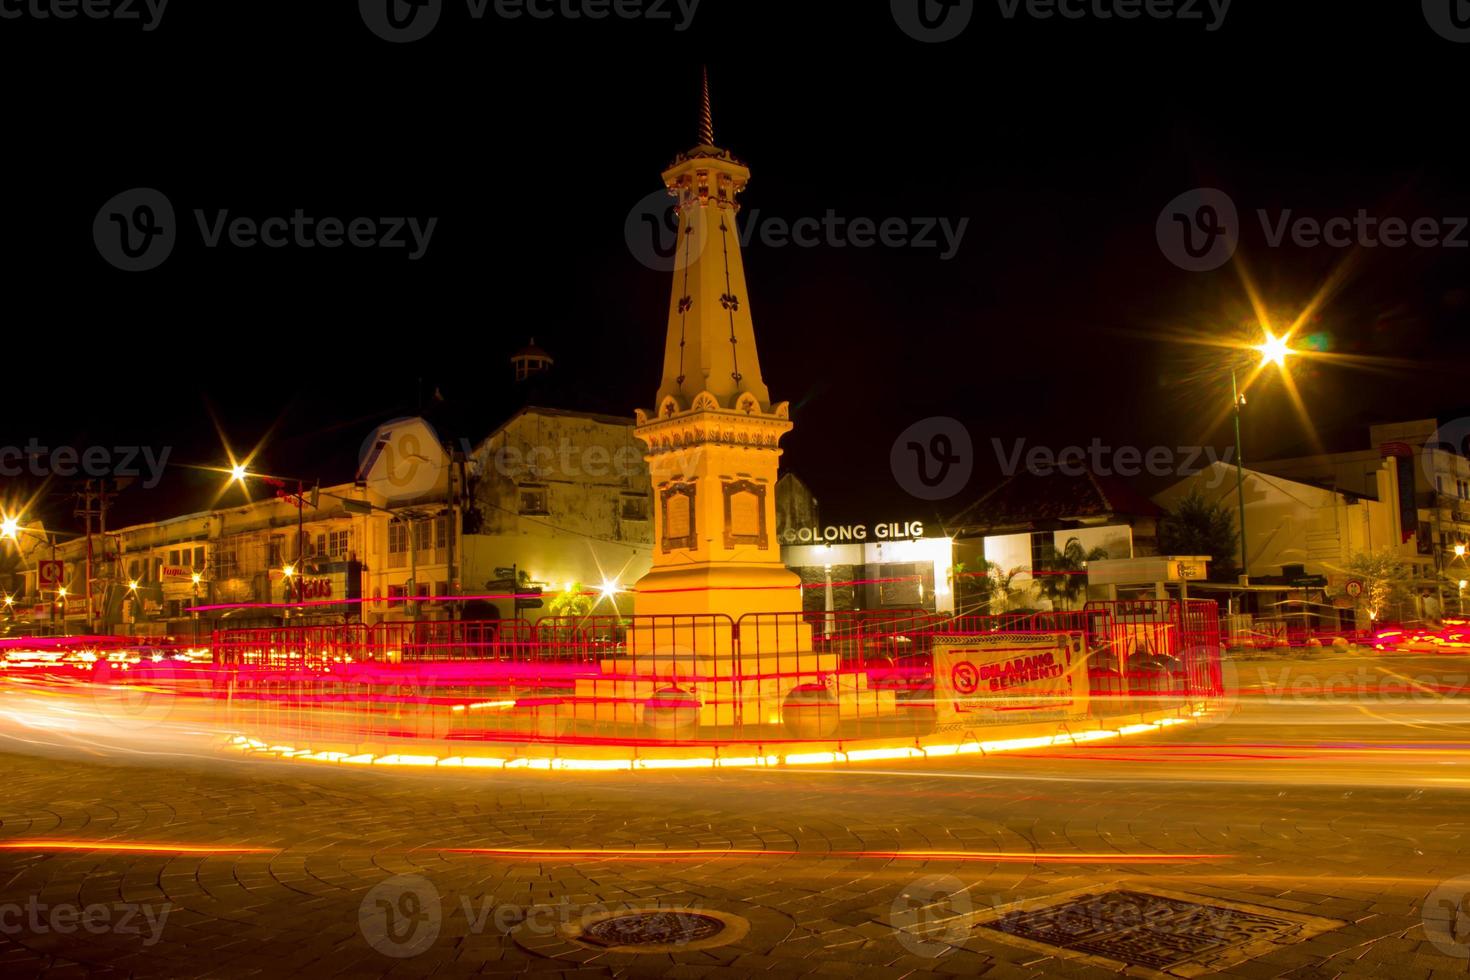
pixel 1068 579
pixel 986 591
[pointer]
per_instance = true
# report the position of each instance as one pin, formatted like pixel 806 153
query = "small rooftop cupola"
pixel 530 360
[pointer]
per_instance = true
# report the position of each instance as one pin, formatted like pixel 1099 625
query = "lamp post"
pixel 10 529
pixel 1273 351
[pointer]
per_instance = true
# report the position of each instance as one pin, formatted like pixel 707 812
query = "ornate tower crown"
pixel 710 356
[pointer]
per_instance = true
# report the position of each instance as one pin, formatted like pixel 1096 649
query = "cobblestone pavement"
pixel 1351 808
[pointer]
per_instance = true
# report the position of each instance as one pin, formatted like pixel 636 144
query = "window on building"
pixel 534 501
pixel 397 538
pixel 421 536
pixel 337 544
pixel 199 558
pixel 278 551
pixel 635 508
pixel 441 588
pixel 395 592
pixel 133 570
pixel 441 533
pixel 321 544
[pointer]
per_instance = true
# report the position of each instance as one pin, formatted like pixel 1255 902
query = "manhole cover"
pixel 664 930
pixel 1163 933
pixel 653 929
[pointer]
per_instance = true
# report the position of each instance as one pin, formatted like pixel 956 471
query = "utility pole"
pixel 93 500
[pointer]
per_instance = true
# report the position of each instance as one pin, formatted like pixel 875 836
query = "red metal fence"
pixel 677 678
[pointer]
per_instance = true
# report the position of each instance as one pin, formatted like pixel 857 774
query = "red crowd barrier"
pixel 676 678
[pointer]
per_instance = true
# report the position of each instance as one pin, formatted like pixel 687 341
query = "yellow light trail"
pixel 997 857
pixel 130 847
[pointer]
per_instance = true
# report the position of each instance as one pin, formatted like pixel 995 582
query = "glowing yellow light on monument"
pixel 133 586
pixel 197 578
pixel 10 600
pixel 1274 350
pixel 288 571
pixel 610 590
pixel 1459 551
pixel 238 472
pixel 61 592
pixel 9 528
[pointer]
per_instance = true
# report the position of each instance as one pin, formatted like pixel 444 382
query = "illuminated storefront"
pixel 887 565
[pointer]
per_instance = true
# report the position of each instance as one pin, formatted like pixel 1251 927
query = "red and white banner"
pixel 1009 678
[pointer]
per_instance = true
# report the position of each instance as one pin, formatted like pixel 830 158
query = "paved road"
pixel 1337 790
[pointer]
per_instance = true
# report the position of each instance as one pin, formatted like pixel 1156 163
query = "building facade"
pixel 1430 494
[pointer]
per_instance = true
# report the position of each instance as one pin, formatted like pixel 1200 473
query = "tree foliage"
pixel 1195 526
pixel 1386 582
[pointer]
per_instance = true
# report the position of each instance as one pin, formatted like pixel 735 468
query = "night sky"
pixel 531 141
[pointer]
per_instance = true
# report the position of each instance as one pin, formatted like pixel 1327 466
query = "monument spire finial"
pixel 706 118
